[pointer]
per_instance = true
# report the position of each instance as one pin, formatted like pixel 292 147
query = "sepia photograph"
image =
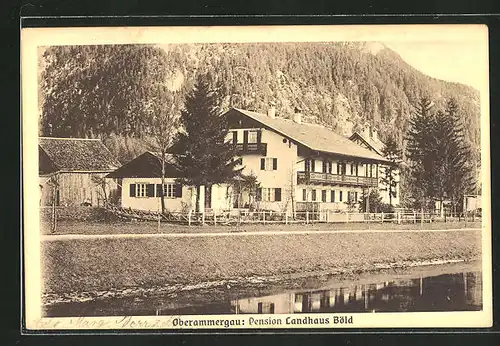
pixel 256 177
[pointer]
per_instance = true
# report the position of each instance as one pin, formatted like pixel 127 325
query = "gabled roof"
pixel 374 143
pixel 75 154
pixel 315 137
pixel 146 165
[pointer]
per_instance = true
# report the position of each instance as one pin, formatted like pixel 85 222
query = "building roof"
pixel 315 137
pixel 374 143
pixel 146 165
pixel 76 154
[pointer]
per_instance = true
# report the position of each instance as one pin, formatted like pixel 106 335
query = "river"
pixel 455 287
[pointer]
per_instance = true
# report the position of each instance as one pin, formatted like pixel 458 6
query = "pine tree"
pixel 421 152
pixel 389 177
pixel 202 153
pixel 461 176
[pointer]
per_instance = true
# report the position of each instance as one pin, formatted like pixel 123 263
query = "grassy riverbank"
pixel 103 264
pixel 85 227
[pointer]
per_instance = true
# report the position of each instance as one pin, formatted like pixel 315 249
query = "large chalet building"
pixel 297 166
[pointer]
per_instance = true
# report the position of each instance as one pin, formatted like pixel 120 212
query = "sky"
pixel 453 61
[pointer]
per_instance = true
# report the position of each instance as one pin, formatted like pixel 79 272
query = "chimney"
pixel 367 131
pixel 271 112
pixel 297 117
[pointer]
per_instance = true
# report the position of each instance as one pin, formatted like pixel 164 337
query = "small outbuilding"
pixel 72 171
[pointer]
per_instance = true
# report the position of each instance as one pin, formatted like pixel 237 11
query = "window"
pixel 142 190
pixel 352 168
pixel 268 164
pixel 252 137
pixel 270 194
pixel 323 196
pixel 313 165
pixel 307 165
pixel 168 190
pixel 330 167
pixel 340 196
pixel 352 196
pixel 304 195
pixel 325 166
pixel 235 137
pixel 313 195
pixel 265 308
pixel 332 196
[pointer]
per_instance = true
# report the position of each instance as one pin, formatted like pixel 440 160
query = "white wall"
pixel 286 153
pixel 186 202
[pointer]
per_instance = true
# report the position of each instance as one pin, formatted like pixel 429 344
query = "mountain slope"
pixel 340 85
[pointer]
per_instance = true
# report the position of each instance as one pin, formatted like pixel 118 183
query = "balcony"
pixel 328 178
pixel 252 148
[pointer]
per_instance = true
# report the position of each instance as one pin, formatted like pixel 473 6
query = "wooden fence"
pixel 243 216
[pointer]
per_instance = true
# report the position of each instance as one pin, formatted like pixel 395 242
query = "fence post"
pixel 327 215
pixel 414 216
pixel 215 218
pixel 382 215
pixel 307 216
pixel 189 217
pixel 286 218
pixel 399 217
pixel 264 217
pixel 203 217
pixel 422 216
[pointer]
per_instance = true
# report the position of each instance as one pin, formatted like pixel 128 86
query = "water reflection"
pixel 447 292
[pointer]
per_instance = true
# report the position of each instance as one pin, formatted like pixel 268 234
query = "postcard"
pixel 236 178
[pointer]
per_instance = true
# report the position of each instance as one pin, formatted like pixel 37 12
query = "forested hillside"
pixel 107 90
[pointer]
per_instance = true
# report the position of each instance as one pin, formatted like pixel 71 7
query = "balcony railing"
pixel 252 148
pixel 328 178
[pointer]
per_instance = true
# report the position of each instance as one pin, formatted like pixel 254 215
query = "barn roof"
pixel 77 154
pixel 146 165
pixel 315 137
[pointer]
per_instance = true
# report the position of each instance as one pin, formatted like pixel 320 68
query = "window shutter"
pixel 235 137
pixel 132 190
pixel 150 190
pixel 158 190
pixel 258 194
pixel 340 196
pixel 275 164
pixel 304 194
pixel 324 166
pixel 277 194
pixel 259 136
pixel 332 196
pixel 262 164
pixel 313 165
pixel 245 136
pixel 178 190
pixel 323 196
